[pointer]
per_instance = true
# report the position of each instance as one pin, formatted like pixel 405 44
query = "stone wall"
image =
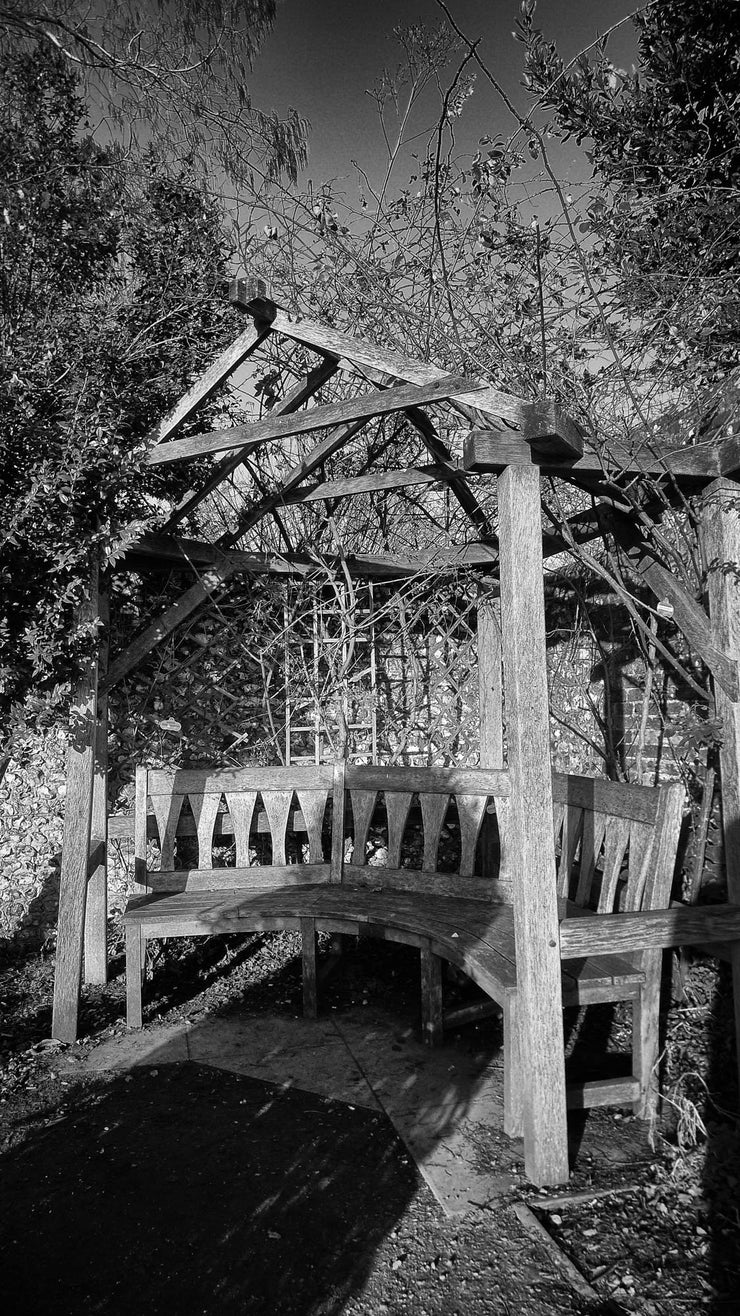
pixel 32 793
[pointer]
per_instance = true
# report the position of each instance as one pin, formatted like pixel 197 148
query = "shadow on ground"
pixel 186 1189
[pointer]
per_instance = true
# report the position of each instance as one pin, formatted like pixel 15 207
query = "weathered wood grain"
pixel 76 835
pixel 624 934
pixel 720 537
pixel 207 383
pixel 430 781
pixel 432 1024
pixel 308 965
pixel 380 402
pixel 95 955
pixel 303 390
pixel 539 1018
pixel 493 450
pixel 542 420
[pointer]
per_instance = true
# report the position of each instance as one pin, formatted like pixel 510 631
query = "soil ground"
pixel 184 1188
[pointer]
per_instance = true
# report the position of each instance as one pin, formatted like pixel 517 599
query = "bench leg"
pixel 135 947
pixel 513 1085
pixel 646 1038
pixel 308 959
pixel 432 1026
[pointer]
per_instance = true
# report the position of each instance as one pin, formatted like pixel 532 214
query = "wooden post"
pixel 76 839
pixel 721 547
pixel 490 711
pixel 489 679
pixel 432 1023
pixel 96 904
pixel 538 1014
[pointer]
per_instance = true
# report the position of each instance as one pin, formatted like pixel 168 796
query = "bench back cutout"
pixel 435 831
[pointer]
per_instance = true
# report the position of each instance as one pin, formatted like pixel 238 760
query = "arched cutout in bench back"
pixel 382 803
pixel 238 809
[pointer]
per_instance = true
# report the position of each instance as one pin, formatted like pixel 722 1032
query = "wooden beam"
pixel 439 450
pixel 492 450
pixel 209 381
pixel 542 421
pixel 624 934
pixel 193 553
pixel 539 997
pixel 95 959
pixel 442 455
pixel 368 405
pixel 729 457
pixel 204 587
pixel 76 837
pixel 720 537
pixel 304 389
pixel 688 613
pixel 333 441
pixel 372 482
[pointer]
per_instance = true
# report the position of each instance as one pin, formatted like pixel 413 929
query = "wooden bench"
pixel 363 850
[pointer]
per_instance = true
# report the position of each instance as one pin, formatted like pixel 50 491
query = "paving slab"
pixel 446 1104
pixel 309 1054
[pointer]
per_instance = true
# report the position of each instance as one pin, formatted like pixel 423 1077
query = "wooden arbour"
pixel 515 441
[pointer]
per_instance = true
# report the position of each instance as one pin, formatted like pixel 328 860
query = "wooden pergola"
pixel 518 442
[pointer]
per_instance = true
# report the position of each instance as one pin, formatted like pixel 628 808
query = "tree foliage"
pixel 175 73
pixel 113 293
pixel 664 139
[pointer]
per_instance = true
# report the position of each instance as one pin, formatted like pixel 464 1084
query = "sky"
pixel 322 55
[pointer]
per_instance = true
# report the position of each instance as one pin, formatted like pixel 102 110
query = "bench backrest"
pixel 445 831
pixel 242 818
pixel 413 829
pixel 615 843
pixel 418 829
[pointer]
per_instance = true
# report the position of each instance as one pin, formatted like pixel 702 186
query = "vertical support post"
pixel 721 546
pixel 490 694
pixel 538 1014
pixel 96 905
pixel 490 711
pixel 76 838
pixel 432 1021
pixel 308 962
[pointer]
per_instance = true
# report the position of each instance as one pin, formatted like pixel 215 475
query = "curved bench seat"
pixel 362 850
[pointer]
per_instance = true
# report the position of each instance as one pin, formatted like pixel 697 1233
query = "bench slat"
pixel 167 809
pixel 259 875
pixel 241 808
pixel 205 809
pixel 181 781
pixel 433 813
pixel 430 781
pixel 363 807
pixel 470 811
pixel 313 808
pixel 616 798
pixel 277 807
pixel 616 839
pixel 418 880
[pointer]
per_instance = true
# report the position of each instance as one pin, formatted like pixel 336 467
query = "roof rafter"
pixel 540 422
pixel 364 407
pixel 306 387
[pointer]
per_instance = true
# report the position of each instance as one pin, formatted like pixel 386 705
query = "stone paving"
pixel 444 1103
